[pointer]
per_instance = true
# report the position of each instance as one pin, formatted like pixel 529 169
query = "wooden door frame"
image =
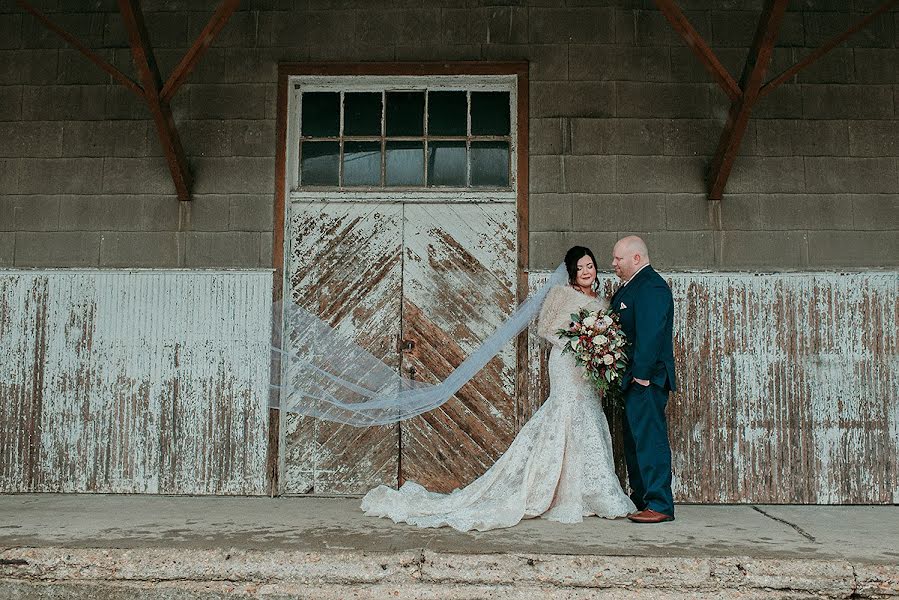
pixel 287 70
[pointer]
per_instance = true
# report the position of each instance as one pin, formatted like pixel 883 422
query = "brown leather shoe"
pixel 650 516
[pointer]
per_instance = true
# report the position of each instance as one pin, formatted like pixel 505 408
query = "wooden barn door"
pixel 418 276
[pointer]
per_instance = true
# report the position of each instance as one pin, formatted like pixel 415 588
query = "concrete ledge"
pixel 100 573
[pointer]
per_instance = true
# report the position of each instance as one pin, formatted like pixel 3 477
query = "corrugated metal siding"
pixel 134 381
pixel 789 387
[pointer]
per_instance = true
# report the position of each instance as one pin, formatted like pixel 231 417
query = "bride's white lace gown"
pixel 559 466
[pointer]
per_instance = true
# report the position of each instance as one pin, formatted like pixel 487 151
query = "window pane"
pixel 405 163
pixel 447 113
pixel 490 113
pixel 319 163
pixel 490 164
pixel 446 163
pixel 405 113
pixel 320 114
pixel 362 113
pixel 362 163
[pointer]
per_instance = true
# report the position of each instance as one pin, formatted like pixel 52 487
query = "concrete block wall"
pixel 623 124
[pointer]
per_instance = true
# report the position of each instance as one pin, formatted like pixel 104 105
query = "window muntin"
pixel 405 139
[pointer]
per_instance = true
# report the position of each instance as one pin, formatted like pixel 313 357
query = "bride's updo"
pixel 574 254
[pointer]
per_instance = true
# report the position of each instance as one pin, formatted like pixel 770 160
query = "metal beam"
pixel 90 54
pixel 145 62
pixel 699 47
pixel 206 37
pixel 827 47
pixel 753 74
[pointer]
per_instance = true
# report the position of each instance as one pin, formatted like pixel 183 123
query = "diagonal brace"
pixel 145 62
pixel 90 54
pixel 753 74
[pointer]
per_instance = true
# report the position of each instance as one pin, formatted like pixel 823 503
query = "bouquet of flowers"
pixel 597 342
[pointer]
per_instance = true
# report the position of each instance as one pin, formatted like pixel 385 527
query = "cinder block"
pixel 246 65
pixel 820 138
pixel 546 136
pixel 10 102
pixel 851 175
pixel 572 99
pixel 10 31
pixel 591 136
pixel 119 213
pixel 821 26
pixel 8 213
pixel 854 249
pixel 251 213
pixel 647 26
pixel 106 138
pixel 36 213
pixel 548 248
pixel 805 211
pixel 590 174
pixel 874 138
pixel 120 103
pixel 60 175
pixel 57 249
pixel 31 67
pixel 614 63
pixel 74 68
pixel 235 249
pixel 9 175
pixel 875 211
pixel 139 249
pixel 232 101
pixel 876 65
pixel 766 174
pixel 457 26
pixel 137 176
pixel 847 101
pixel 206 212
pixel 678 250
pixel 86 27
pixel 507 25
pixel 550 212
pixel 618 136
pixel 737 28
pixel 7 248
pixel 207 137
pixel 655 100
pixel 546 62
pixel 66 102
pixel 617 212
pixel 837 66
pixel 671 174
pixel 698 137
pixel 767 250
pixel 545 174
pixel 240 30
pixel 690 212
pixel 322 29
pixel 244 175
pixel 571 25
pixel 740 212
pixel 785 102
pixel 253 138
pixel 266 249
pixel 30 139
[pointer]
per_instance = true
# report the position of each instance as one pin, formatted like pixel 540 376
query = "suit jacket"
pixel 646 309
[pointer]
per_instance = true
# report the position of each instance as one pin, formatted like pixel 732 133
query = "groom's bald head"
pixel 628 255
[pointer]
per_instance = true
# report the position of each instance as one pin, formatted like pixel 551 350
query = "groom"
pixel 646 309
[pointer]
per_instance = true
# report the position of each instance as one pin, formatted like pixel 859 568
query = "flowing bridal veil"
pixel 319 373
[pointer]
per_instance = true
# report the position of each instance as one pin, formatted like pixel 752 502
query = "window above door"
pixel 385 134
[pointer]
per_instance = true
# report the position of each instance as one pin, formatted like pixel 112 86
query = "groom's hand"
pixel 643 382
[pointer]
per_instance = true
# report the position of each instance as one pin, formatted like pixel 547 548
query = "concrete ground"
pixel 95 546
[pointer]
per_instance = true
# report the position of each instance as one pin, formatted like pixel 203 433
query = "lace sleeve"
pixel 551 319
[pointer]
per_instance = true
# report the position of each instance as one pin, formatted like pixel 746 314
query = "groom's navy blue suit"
pixel 647 310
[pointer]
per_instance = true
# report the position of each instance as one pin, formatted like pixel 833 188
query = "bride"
pixel 559 466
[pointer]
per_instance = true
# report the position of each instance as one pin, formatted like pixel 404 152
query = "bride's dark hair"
pixel 574 254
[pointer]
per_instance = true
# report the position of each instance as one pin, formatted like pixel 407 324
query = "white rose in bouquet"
pixel 608 359
pixel 600 340
pixel 589 321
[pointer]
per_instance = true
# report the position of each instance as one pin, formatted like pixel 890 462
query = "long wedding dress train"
pixel 559 466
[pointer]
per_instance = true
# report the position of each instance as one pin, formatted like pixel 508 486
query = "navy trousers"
pixel 646 447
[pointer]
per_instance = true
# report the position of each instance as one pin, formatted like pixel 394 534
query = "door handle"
pixel 407 346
